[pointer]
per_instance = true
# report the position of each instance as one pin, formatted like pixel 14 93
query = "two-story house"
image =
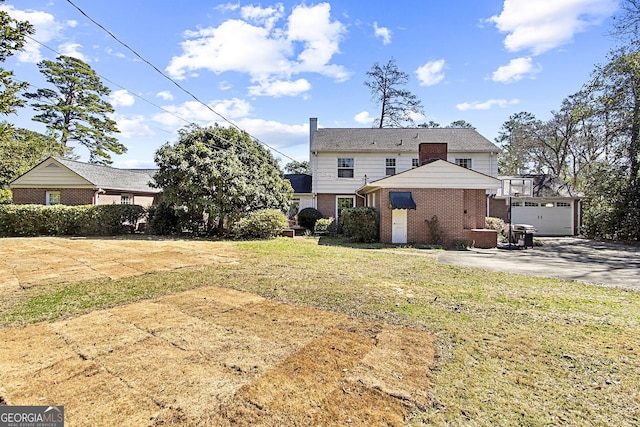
pixel 409 175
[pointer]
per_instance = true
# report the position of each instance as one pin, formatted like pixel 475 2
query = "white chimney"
pixel 313 126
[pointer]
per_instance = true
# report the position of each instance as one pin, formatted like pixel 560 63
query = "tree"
pixel 398 105
pixel 430 125
pixel 12 38
pixel 461 124
pixel 216 175
pixel 296 167
pixel 75 111
pixel 517 137
pixel 626 23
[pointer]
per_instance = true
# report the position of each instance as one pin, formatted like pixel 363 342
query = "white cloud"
pixel 486 105
pixel 280 88
pixel 47 30
pixel 363 117
pixel 193 111
pixel 383 32
pixel 267 52
pixel 266 17
pixel 122 98
pixel 166 95
pixel 542 25
pixel 516 70
pixel 431 73
pixel 135 126
pixel 73 50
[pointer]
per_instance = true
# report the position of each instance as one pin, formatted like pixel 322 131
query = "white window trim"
pixel 344 196
pixel 128 195
pixel 47 200
pixel 352 168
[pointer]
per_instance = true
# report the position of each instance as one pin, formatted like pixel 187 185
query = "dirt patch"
pixel 30 262
pixel 215 356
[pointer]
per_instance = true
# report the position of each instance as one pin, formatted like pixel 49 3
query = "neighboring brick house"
pixel 393 171
pixel 62 181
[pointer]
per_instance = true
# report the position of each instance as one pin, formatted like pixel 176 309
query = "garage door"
pixel 550 218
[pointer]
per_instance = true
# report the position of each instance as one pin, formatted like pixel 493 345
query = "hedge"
pixel 262 224
pixel 360 224
pixel 62 220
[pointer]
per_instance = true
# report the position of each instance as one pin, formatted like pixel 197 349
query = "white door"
pixel 399 226
pixel 548 217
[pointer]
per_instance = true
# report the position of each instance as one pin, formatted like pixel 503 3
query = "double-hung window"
pixel 345 167
pixel 390 167
pixel 126 199
pixel 465 163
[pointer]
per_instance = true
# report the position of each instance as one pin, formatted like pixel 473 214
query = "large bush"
pixel 163 219
pixel 307 218
pixel 360 224
pixel 262 224
pixel 62 220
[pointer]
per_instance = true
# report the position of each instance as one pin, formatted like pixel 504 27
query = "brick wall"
pixel 498 208
pixel 37 196
pixel 326 204
pixel 449 205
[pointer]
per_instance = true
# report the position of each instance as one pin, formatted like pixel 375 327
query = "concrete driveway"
pixel 566 258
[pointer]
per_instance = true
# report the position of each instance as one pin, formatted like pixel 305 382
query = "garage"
pixel 549 217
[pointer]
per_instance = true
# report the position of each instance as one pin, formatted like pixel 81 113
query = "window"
pixel 345 167
pixel 530 205
pixel 563 204
pixel 52 198
pixel 516 203
pixel 414 163
pixel 465 163
pixel 126 199
pixel 344 202
pixel 390 167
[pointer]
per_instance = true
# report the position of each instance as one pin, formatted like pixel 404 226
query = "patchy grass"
pixel 512 350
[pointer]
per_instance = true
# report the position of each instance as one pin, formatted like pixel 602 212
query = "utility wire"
pixel 172 80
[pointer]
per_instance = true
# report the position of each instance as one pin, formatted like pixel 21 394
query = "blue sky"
pixel 269 66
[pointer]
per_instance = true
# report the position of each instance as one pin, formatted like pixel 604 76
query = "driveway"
pixel 567 258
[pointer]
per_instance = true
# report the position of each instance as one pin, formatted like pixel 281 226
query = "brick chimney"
pixel 428 151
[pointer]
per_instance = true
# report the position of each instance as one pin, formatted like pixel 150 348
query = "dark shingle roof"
pixel 107 177
pixel 398 139
pixel 300 182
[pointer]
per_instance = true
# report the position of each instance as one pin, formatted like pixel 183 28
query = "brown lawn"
pixel 209 356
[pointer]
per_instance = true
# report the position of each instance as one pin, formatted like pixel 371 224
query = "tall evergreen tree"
pixel 12 39
pixel 75 110
pixel 397 105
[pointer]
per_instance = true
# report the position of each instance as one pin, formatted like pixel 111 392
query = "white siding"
pixel 372 166
pixel 49 172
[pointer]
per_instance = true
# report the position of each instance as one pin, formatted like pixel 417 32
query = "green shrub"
pixel 262 224
pixel 493 223
pixel 360 224
pixel 5 196
pixel 163 220
pixel 307 218
pixel 322 225
pixel 62 220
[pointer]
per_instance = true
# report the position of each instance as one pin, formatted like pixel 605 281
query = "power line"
pixel 219 138
pixel 172 80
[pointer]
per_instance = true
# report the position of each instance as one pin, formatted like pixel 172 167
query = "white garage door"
pixel 550 218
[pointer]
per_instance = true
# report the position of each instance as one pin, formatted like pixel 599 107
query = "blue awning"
pixel 401 200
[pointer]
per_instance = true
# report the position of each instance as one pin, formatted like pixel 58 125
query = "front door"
pixel 399 226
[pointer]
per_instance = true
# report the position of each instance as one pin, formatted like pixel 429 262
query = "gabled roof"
pixel 435 174
pixel 549 186
pixel 301 182
pixel 398 139
pixel 105 177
